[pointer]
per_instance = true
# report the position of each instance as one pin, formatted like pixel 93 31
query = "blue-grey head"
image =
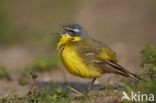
pixel 74 30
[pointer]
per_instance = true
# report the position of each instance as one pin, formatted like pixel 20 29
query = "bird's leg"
pixel 91 85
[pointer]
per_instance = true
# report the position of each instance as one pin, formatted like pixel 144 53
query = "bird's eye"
pixel 70 32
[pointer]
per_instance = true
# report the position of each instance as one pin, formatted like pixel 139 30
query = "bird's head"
pixel 74 30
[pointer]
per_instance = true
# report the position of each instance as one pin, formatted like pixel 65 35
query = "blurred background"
pixel 26 42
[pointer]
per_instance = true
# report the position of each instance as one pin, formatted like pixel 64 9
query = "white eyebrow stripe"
pixel 76 30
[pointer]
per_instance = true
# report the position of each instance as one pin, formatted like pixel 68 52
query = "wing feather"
pixel 101 56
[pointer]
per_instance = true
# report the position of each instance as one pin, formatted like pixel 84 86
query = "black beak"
pixel 67 29
pixel 58 33
pixel 62 26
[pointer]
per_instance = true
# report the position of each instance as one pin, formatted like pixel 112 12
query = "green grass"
pixel 148 63
pixel 4 73
pixel 36 95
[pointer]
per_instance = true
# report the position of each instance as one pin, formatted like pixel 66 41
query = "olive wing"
pixel 96 54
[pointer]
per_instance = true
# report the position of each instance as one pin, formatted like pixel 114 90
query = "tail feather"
pixel 135 77
pixel 122 71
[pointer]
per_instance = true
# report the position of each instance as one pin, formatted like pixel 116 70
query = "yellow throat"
pixel 66 40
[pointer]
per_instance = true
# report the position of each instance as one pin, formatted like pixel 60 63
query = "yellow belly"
pixel 75 65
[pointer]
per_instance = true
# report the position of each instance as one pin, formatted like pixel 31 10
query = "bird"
pixel 86 57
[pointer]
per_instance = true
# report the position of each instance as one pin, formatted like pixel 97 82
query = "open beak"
pixel 67 29
pixel 61 33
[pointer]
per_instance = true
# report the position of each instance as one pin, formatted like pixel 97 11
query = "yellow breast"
pixel 75 65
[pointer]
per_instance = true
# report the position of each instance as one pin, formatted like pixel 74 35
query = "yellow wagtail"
pixel 86 57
